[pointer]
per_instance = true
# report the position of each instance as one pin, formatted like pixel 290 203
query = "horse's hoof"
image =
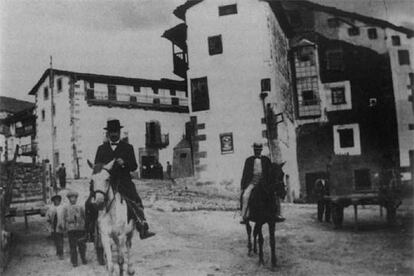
pixel 261 262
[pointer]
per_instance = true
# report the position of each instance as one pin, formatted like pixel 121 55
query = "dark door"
pixel 310 179
pixel 147 162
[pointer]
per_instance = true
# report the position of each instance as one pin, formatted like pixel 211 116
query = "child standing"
pixel 74 223
pixel 54 214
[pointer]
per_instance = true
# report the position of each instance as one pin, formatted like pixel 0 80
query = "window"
pixel 137 88
pixel 183 155
pixel 111 92
pixel 395 39
pixel 305 54
pixel 175 101
pixel 215 46
pixel 59 85
pixel 155 90
pixel 404 57
pixel 346 138
pixel 133 99
pixel 265 85
pixel 362 179
pixel 91 85
pixel 156 101
pixel 334 60
pixel 338 95
pixel 43 114
pixel 153 133
pixel 199 94
pixel 228 9
pixel 295 18
pixel 372 33
pixel 354 31
pixel 333 22
pixel 172 92
pixel 54 131
pixel 53 110
pixel 308 97
pixel 45 93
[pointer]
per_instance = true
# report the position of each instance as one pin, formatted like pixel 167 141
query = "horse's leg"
pixel 249 238
pixel 106 243
pixel 259 231
pixel 128 261
pixel 272 228
pixel 115 250
pixel 255 233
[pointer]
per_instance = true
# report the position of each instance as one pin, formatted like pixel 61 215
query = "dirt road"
pixel 214 243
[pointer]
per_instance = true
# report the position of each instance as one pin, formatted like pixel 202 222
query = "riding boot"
pixel 141 223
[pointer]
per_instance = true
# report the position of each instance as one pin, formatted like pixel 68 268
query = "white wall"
pixel 233 82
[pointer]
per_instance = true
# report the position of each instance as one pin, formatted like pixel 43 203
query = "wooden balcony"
pixel 29 149
pixel 25 131
pixel 309 108
pixel 180 64
pixel 147 102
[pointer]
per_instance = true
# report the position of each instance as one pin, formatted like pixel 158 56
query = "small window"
pixel 338 95
pixel 91 85
pixel 410 126
pixel 133 99
pixel 334 60
pixel 228 9
pixel 137 88
pixel 265 85
pixel 155 90
pixel 43 114
pixel 333 23
pixel 172 92
pixel 372 33
pixel 295 18
pixel 354 31
pixel 183 155
pixel 156 101
pixel 346 138
pixel 53 110
pixel 404 57
pixel 305 54
pixel 215 45
pixel 395 39
pixel 199 94
pixel 45 93
pixel 54 131
pixel 59 85
pixel 175 101
pixel 308 97
pixel 111 92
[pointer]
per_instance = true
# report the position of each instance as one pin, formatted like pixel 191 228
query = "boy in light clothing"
pixel 54 215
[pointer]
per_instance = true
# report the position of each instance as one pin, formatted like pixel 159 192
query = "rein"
pixel 106 194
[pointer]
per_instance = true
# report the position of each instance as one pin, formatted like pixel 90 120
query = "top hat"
pixel 113 125
pixel 72 193
pixel 257 145
pixel 56 197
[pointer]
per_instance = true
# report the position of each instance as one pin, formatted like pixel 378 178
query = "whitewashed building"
pixel 72 109
pixel 237 55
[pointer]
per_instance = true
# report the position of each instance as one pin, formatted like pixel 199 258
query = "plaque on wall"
pixel 226 143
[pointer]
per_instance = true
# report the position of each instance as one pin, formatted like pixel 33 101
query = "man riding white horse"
pixel 123 154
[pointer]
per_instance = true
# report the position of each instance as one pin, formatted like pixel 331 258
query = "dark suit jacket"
pixel 248 172
pixel 125 151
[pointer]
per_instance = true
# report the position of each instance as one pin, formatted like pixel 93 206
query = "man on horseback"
pixel 257 169
pixel 123 154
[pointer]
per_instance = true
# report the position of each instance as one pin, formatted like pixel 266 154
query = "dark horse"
pixel 262 208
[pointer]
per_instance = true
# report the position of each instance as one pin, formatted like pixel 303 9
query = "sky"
pixel 121 38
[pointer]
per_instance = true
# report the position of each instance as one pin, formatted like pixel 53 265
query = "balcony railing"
pixel 136 100
pixel 310 108
pixel 163 142
pixel 180 64
pixel 29 149
pixel 24 131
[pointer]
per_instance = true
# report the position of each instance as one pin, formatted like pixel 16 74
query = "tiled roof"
pixel 13 105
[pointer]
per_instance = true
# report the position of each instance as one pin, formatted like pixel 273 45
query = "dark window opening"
pixel 43 114
pixel 183 155
pixel 395 39
pixel 228 9
pixel 175 101
pixel 346 138
pixel 90 94
pixel 59 84
pixel 295 18
pixel 53 110
pixel 156 101
pixel 91 85
pixel 353 31
pixel 308 97
pixel 199 94
pixel 45 93
pixel 265 85
pixel 338 95
pixel 111 92
pixel 155 89
pixel 404 57
pixel 334 60
pixel 172 92
pixel 362 179
pixel 305 54
pixel 372 33
pixel 137 88
pixel 133 99
pixel 333 22
pixel 215 45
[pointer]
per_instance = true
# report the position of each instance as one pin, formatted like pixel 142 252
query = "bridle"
pixel 104 193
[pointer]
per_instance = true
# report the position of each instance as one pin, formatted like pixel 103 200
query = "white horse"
pixel 114 229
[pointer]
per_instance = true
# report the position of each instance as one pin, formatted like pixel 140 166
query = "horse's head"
pixel 278 176
pixel 100 184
